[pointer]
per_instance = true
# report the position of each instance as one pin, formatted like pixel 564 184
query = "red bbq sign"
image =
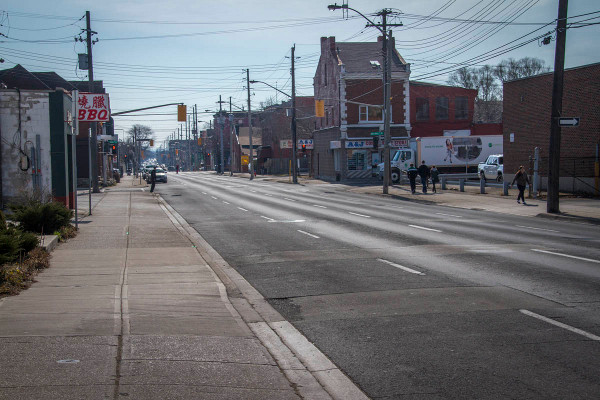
pixel 93 107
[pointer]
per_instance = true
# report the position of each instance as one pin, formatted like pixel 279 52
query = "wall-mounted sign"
pixel 307 142
pixel 335 144
pixel 359 144
pixel 285 144
pixel 93 107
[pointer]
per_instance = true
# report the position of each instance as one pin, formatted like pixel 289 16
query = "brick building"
pixel 527 111
pixel 439 110
pixel 349 80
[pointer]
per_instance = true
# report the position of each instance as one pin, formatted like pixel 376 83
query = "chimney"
pixel 332 44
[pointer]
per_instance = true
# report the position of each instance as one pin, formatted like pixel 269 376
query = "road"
pixel 412 300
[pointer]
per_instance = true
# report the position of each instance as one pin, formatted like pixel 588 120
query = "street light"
pixel 386 84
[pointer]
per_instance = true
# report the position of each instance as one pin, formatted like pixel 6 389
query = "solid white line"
pixel 537 229
pixel 203 192
pixel 360 215
pixel 214 197
pixel 402 267
pixel 270 219
pixel 285 198
pixel 561 325
pixel 566 255
pixel 449 215
pixel 316 205
pixel 253 191
pixel 243 209
pixel 422 227
pixel 309 234
pixel 267 194
pixel 226 202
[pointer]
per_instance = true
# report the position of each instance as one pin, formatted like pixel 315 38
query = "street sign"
pixel 377 133
pixel 569 121
pixel 285 144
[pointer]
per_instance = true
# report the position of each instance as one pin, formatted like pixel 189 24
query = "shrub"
pixel 41 217
pixel 15 243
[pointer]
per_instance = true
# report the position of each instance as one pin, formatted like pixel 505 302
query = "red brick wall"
pixel 527 111
pixel 371 92
pixel 433 127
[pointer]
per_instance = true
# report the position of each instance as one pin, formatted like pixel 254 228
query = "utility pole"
pixel 387 81
pixel 221 123
pixel 557 93
pixel 294 139
pixel 94 138
pixel 230 139
pixel 251 164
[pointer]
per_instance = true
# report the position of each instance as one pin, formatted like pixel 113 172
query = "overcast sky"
pixel 152 52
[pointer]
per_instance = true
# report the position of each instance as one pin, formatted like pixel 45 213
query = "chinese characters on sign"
pixel 93 107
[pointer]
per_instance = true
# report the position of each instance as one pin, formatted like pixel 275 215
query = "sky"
pixel 152 52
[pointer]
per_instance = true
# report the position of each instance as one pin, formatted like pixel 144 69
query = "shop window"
pixel 422 109
pixel 461 108
pixel 441 108
pixel 357 160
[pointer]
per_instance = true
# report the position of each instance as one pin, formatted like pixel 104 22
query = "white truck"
pixel 448 153
pixel 492 168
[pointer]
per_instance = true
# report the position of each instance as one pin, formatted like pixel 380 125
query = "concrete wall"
pixel 35 120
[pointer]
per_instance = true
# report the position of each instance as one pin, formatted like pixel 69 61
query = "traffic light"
pixel 114 147
pixel 303 148
pixel 376 142
pixel 151 142
pixel 199 141
pixel 176 152
pixel 181 113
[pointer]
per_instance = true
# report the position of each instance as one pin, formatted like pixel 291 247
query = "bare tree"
pixel 270 101
pixel 137 132
pixel 463 77
pixel 510 69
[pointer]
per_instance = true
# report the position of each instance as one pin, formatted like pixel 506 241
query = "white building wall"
pixel 35 120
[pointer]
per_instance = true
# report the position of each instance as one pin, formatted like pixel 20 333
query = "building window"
pixel 441 108
pixel 370 114
pixel 357 160
pixel 422 109
pixel 461 108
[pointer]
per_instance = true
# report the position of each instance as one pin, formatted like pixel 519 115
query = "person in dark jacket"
pixel 412 177
pixel 424 174
pixel 522 180
pixel 152 179
pixel 435 177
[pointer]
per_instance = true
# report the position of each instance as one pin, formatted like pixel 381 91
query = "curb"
pixel 49 242
pixel 312 374
pixel 570 218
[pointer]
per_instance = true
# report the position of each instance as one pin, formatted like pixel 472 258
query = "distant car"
pixel 161 175
pixel 171 168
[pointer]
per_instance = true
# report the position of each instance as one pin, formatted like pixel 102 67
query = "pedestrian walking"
pixel 522 180
pixel 412 173
pixel 435 177
pixel 424 174
pixel 152 179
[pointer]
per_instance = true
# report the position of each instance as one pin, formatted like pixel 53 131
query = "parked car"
pixel 492 168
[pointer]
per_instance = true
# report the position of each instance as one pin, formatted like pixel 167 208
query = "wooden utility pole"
pixel 94 138
pixel 251 164
pixel 294 137
pixel 552 205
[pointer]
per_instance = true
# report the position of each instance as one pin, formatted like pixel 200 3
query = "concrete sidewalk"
pixel 131 309
pixel 572 208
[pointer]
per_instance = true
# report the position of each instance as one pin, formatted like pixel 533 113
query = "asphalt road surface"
pixel 411 300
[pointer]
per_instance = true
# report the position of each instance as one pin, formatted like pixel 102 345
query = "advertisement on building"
pixel 455 151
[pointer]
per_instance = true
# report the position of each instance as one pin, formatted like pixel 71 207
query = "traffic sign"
pixel 569 121
pixel 377 133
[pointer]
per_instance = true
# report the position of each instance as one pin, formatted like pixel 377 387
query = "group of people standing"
pixel 424 172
